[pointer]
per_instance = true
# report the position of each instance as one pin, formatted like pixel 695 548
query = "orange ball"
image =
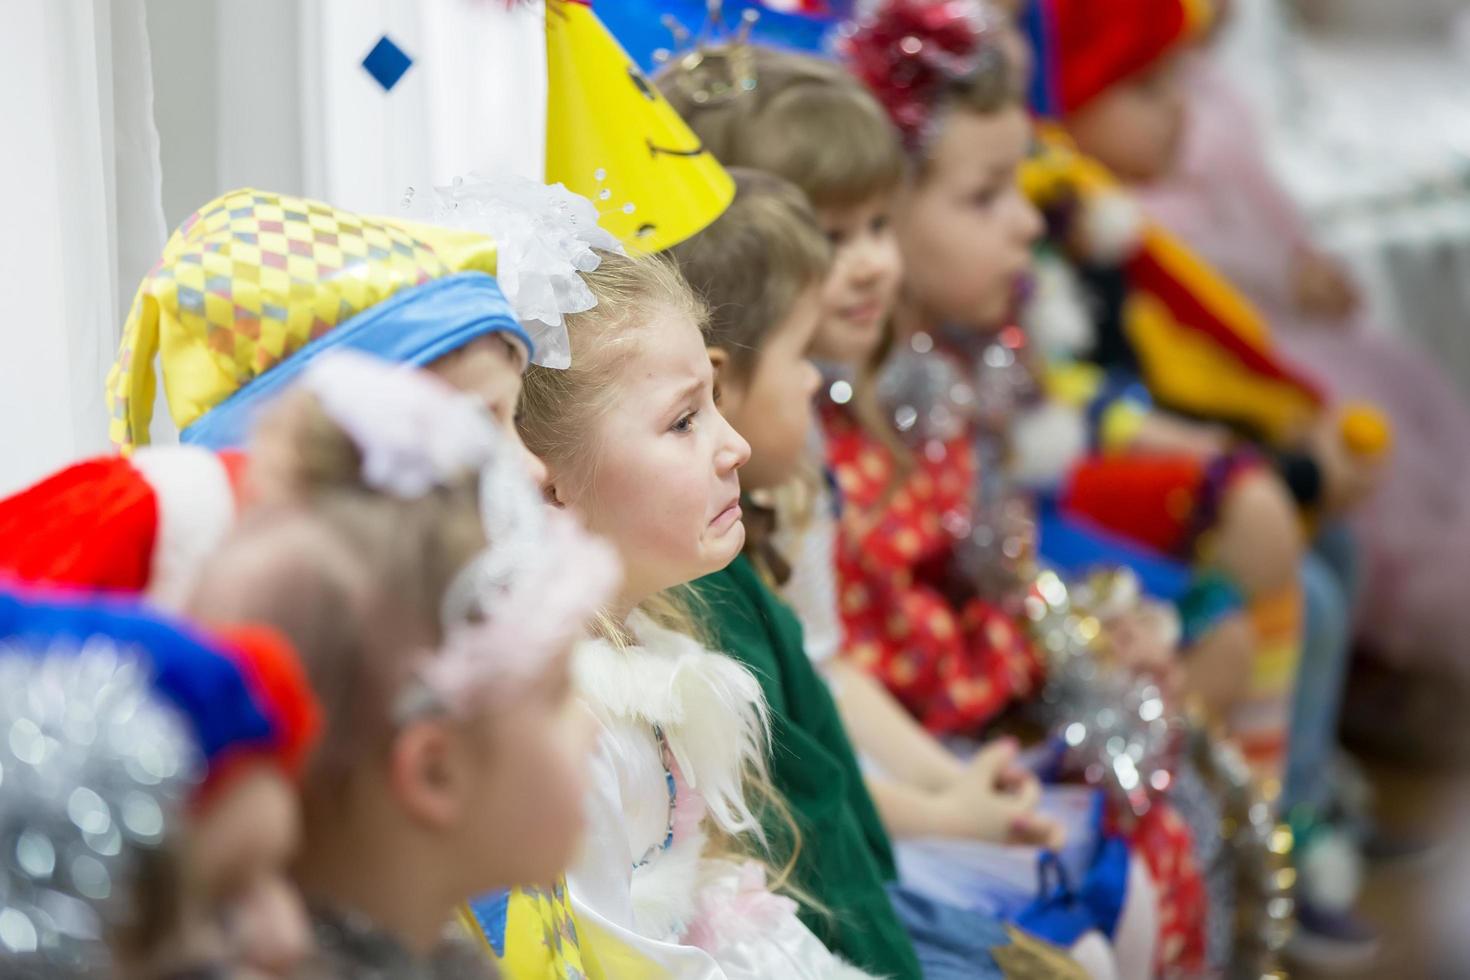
pixel 1365 431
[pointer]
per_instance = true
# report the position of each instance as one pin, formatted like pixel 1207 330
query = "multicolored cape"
pixel 1201 347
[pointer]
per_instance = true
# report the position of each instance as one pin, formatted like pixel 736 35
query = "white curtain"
pixel 80 168
pixel 474 98
pixel 272 94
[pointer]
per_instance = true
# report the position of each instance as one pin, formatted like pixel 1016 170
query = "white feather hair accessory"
pixel 529 594
pixel 545 237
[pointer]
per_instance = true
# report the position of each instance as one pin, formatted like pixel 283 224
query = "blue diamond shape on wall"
pixel 386 62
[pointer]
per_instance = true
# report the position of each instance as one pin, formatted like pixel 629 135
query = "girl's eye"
pixel 836 237
pixel 880 224
pixel 685 423
pixel 986 197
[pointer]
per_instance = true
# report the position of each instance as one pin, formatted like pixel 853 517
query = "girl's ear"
pixel 426 772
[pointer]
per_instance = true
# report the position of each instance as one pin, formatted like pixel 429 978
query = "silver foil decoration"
pixel 1251 860
pixel 94 772
pixel 1119 729
pixel 933 403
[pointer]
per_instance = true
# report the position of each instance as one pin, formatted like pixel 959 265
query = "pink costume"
pixel 1415 533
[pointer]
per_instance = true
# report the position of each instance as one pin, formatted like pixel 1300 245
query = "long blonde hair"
pixel 559 412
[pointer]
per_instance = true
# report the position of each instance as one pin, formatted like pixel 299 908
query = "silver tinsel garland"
pixel 94 771
pixel 1119 729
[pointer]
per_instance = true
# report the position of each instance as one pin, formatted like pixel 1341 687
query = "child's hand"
pixel 1347 478
pixel 995 800
pixel 1146 641
pixel 1322 287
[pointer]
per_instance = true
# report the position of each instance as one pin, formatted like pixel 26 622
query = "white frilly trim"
pixel 413 431
pixel 1045 442
pixel 545 237
pixel 1112 227
pixel 196 509
pixel 664 891
pixel 710 708
pixel 1056 316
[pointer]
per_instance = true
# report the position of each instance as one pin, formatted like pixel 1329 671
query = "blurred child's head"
pixel 490 368
pixel 760 269
pixel 1110 73
pixel 806 121
pixel 964 227
pixel 150 782
pixel 1135 126
pixel 444 701
pixel 630 433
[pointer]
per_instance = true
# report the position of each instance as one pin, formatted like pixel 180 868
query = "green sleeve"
pixel 844 857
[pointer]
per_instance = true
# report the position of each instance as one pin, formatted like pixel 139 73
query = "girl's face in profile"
pixel 659 475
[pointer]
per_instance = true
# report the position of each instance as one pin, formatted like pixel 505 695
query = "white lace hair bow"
pixel 545 239
pixel 541 576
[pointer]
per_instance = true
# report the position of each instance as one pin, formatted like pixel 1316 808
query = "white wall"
pixel 228 105
pixel 79 164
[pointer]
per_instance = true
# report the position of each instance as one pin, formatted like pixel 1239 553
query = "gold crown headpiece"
pixel 714 64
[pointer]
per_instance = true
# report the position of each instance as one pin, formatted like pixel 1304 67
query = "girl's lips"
pixel 863 313
pixel 727 518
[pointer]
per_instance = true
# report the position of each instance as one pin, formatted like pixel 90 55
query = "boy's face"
pixel 858 295
pixel 1135 127
pixel 964 227
pixel 490 368
pixel 772 408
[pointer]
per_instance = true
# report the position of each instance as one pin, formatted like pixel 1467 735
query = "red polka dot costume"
pixel 955 661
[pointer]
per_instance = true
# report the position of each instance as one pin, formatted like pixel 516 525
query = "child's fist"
pixel 1322 286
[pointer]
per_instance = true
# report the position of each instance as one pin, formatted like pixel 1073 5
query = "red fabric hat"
pixel 137 524
pixel 1091 45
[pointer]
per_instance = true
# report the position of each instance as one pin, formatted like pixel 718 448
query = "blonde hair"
pixel 559 411
pixel 806 120
pixel 353 577
pixel 560 406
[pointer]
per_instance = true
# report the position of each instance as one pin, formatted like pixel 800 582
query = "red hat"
pixel 1084 47
pixel 277 680
pixel 137 524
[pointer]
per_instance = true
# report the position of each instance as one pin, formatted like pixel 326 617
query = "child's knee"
pixel 1259 540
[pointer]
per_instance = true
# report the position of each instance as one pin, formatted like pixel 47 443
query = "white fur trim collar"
pixel 196 509
pixel 709 706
